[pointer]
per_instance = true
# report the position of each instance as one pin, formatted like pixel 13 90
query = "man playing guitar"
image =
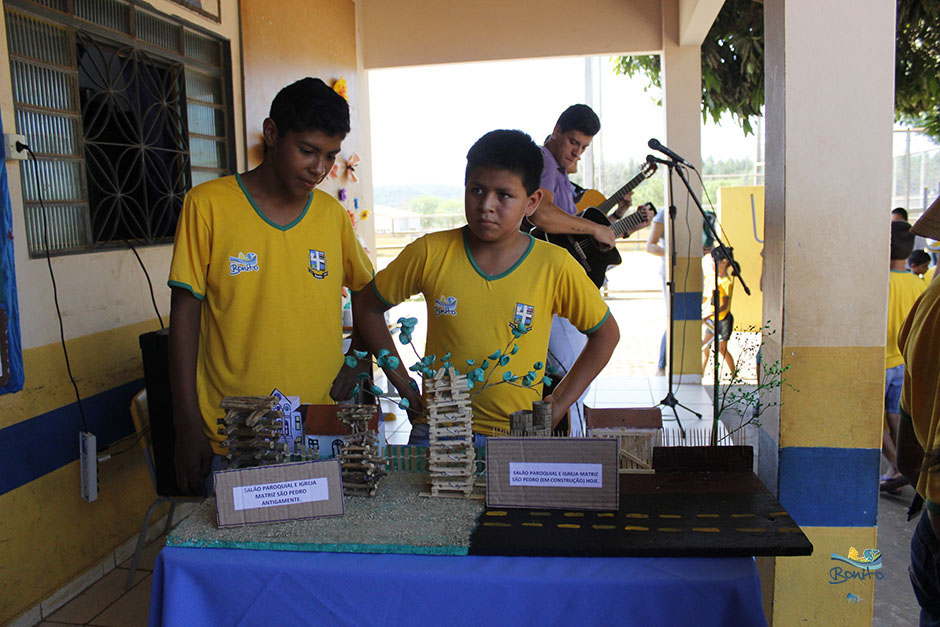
pixel 556 213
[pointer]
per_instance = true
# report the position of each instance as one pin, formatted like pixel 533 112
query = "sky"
pixel 424 119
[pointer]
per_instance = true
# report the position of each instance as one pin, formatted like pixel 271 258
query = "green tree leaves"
pixel 733 64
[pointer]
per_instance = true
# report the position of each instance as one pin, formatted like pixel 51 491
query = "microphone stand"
pixel 670 400
pixel 735 273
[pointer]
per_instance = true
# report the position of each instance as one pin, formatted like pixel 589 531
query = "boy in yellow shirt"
pixel 725 318
pixel 487 279
pixel 904 288
pixel 259 263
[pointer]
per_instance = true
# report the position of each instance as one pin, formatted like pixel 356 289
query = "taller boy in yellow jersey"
pixel 259 263
pixel 482 279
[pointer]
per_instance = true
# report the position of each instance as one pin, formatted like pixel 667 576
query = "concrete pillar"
pixel 682 102
pixel 829 108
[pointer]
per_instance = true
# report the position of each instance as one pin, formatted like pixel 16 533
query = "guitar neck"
pixel 627 224
pixel 617 196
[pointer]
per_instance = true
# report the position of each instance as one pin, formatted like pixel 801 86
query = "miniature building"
pixel 361 461
pixel 637 430
pixel 536 422
pixel 253 430
pixel 452 456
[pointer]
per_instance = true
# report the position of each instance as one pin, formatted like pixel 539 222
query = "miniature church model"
pixel 452 456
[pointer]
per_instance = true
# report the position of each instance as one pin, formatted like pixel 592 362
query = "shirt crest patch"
pixel 243 263
pixel 445 306
pixel 523 315
pixel 317 264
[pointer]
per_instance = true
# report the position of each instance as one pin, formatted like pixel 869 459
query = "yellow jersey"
pixel 271 294
pixel 471 315
pixel 919 341
pixel 903 289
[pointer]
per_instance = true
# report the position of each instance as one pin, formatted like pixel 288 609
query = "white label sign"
pixel 284 493
pixel 555 475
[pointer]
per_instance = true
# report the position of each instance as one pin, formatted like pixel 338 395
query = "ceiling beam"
pixel 695 19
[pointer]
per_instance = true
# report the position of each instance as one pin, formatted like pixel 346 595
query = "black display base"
pixel 669 514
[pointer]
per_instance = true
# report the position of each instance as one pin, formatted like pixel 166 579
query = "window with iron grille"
pixel 124 108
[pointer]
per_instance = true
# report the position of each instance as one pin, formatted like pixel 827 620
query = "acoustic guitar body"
pixel 584 248
pixel 590 198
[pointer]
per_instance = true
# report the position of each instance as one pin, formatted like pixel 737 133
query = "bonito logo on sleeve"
pixel 244 262
pixel 445 306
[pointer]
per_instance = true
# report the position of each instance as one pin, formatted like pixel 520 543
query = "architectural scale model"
pixel 452 457
pixel 536 422
pixel 361 460
pixel 635 445
pixel 253 430
pixel 637 430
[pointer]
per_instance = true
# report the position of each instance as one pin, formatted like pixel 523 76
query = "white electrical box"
pixel 88 454
pixel 9 146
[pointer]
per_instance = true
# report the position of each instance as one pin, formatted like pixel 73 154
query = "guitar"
pixel 584 248
pixel 593 198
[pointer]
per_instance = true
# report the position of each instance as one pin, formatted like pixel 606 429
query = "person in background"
pixel 919 263
pixel 556 213
pixel 725 318
pixel 903 289
pixel 899 214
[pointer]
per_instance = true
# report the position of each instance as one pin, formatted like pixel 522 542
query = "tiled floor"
pixel 107 603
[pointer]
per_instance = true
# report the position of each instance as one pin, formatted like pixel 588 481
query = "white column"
pixel 829 109
pixel 682 98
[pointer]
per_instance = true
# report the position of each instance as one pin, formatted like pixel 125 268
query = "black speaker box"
pixel 154 348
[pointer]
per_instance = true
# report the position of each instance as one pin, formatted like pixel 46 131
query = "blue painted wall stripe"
pixel 830 487
pixel 688 305
pixel 37 446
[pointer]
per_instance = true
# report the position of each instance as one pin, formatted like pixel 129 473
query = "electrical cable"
pixel 137 437
pixel 153 298
pixel 55 292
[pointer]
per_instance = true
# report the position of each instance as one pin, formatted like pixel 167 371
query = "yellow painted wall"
pixel 687 342
pixel 744 231
pixel 803 583
pixel 815 376
pixel 48 534
pixel 288 40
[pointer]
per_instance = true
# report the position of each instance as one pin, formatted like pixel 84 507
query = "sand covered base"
pixel 396 520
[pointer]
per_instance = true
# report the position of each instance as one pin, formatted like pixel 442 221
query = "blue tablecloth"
pixel 244 587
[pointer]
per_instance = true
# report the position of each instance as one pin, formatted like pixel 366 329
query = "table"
pixel 201 586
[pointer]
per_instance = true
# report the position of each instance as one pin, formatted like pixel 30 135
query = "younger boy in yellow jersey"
pixel 904 288
pixel 725 318
pixel 919 263
pixel 259 263
pixel 487 277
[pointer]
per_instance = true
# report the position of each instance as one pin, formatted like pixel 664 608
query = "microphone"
pixel 652 159
pixel 655 145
